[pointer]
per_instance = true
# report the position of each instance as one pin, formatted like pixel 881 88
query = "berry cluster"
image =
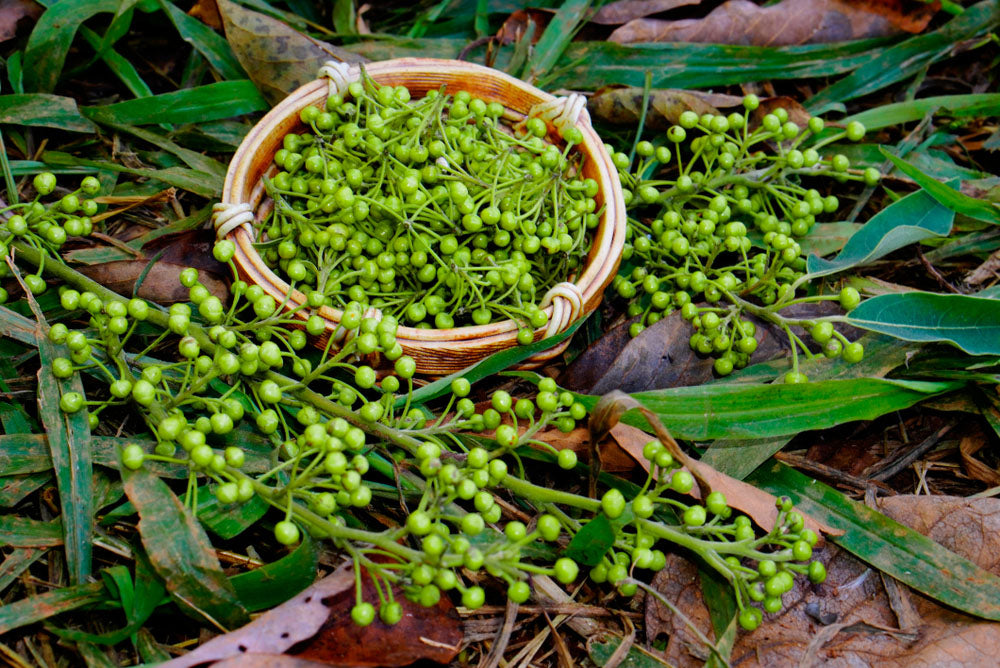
pixel 714 227
pixel 430 210
pixel 46 227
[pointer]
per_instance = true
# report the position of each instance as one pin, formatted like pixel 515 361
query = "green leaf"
pixel 275 583
pixel 206 41
pixel 592 541
pixel 181 553
pixel 51 38
pixel 956 201
pixel 556 37
pixel 689 65
pixel 827 238
pixel 908 57
pixel 42 606
pixel 223 99
pixel 16 487
pixel 913 218
pixel 16 562
pixel 118 64
pixel 493 364
pixel 231 520
pixel 69 446
pixel 958 106
pixel 43 110
pixel 24 532
pixel 602 647
pixel 897 550
pixel 705 412
pixel 192 159
pixel 199 183
pixel 971 323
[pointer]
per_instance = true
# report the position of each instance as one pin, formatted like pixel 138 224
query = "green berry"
pixel 613 503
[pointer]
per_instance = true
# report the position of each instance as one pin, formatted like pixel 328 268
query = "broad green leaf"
pixel 971 323
pixel 50 40
pixel 828 238
pixel 913 218
pixel 905 59
pixel 118 64
pixel 24 453
pixel 275 583
pixel 592 541
pixel 223 99
pixel 956 201
pixel 556 37
pixel 43 110
pixel 493 364
pixel 959 106
pixel 231 520
pixel 17 327
pixel 206 41
pixel 42 606
pixel 18 531
pixel 739 457
pixel 68 435
pixel 705 412
pixel 894 549
pixel 181 553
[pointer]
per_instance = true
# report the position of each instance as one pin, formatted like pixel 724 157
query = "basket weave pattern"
pixel 436 352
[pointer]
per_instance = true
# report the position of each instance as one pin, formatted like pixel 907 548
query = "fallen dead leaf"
pixel 315 628
pixel 624 104
pixel 14 13
pixel 785 23
pixel 517 24
pixel 757 504
pixel 623 11
pixel 277 58
pixel 169 255
pixel 848 620
pixel 207 11
pixel 977 469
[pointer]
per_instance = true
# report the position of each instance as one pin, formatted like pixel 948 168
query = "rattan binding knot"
pixel 567 306
pixel 567 110
pixel 339 75
pixel 228 216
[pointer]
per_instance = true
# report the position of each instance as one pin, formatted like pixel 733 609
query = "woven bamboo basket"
pixel 436 351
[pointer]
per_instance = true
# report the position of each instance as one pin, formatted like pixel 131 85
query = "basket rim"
pixel 594 274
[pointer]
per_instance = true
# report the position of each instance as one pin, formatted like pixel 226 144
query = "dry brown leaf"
pixel 623 104
pixel 756 503
pixel 786 23
pixel 207 11
pixel 866 630
pixel 617 13
pixel 316 628
pixel 976 469
pixel 14 13
pixel 162 281
pixel 516 25
pixel 277 58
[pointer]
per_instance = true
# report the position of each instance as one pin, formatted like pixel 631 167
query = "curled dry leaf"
pixel 975 468
pixel 278 58
pixel 786 23
pixel 207 11
pixel 316 627
pixel 849 619
pixel 756 503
